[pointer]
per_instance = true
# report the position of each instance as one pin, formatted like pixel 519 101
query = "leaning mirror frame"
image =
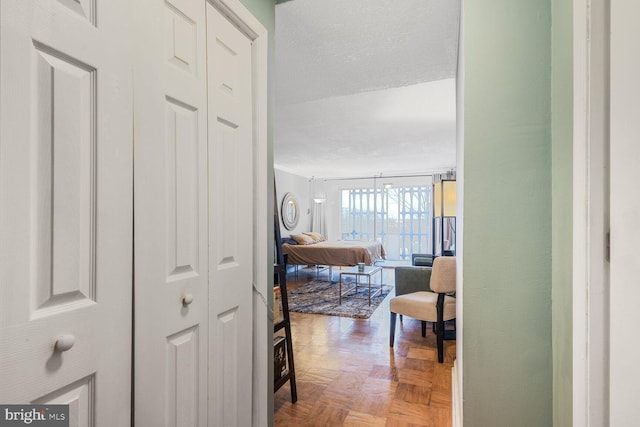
pixel 290 211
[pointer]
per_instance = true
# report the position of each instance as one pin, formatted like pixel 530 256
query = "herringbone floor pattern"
pixel 347 375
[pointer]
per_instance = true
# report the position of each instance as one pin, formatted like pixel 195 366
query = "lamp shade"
pixel 444 198
pixel 449 198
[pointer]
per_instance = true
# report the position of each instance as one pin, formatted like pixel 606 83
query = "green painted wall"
pixel 264 11
pixel 561 195
pixel 507 231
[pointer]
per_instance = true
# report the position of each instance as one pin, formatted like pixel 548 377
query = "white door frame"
pixel 262 408
pixel 590 212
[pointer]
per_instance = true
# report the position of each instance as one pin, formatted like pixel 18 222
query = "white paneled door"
pixel 193 217
pixel 231 231
pixel 171 290
pixel 66 206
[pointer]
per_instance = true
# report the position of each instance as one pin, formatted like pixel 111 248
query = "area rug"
pixel 322 297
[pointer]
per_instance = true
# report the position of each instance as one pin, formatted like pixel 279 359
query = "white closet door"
pixel 231 229
pixel 66 206
pixel 171 292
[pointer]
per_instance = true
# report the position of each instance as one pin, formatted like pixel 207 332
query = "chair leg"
pixel 401 318
pixel 392 328
pixel 440 327
pixel 424 328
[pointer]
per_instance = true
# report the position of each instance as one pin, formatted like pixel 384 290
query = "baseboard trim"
pixel 456 397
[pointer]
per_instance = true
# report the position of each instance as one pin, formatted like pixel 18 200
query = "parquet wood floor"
pixel 347 375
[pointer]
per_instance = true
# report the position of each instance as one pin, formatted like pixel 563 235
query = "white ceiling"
pixel 365 87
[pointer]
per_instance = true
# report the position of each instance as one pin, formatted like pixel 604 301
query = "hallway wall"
pixel 507 219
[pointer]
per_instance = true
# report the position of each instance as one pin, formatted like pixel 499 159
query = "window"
pixel 398 217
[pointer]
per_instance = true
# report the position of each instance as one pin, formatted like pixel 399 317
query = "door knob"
pixel 187 299
pixel 65 342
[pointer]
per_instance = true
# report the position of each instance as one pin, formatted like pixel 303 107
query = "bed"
pixel 334 253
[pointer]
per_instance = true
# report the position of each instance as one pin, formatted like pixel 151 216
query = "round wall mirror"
pixel 290 211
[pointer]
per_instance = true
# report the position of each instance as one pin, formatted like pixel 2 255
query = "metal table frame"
pixel 368 272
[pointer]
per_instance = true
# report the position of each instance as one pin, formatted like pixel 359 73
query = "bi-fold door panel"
pixel 66 217
pixel 231 234
pixel 171 290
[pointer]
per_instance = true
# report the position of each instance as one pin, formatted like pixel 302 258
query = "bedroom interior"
pixel 358 144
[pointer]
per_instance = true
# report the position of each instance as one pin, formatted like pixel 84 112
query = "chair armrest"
pixel 412 279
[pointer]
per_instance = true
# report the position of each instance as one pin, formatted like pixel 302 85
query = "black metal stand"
pixel 280 274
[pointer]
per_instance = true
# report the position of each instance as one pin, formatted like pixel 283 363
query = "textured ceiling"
pixel 365 87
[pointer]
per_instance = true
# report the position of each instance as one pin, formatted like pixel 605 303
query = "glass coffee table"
pixel 368 272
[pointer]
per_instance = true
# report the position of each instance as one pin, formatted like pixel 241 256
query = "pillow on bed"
pixel 302 239
pixel 289 241
pixel 317 237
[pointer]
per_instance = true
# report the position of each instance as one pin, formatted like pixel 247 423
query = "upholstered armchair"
pixel 424 294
